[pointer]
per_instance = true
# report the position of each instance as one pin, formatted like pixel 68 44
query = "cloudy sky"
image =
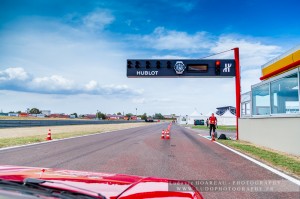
pixel 70 55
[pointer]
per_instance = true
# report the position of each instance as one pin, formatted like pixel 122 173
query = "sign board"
pixel 159 68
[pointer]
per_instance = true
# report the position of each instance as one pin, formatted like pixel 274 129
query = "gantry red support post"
pixel 237 89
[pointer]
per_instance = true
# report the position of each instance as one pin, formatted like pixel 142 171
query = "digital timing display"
pixel 197 68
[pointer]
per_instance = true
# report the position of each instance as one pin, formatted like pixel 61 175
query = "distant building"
pixel 133 117
pixel 172 116
pixel 46 112
pixel 37 115
pixel 114 117
pixel 59 115
pixel 23 114
pixel 13 114
pixel 221 110
pixel 72 116
pixel 90 116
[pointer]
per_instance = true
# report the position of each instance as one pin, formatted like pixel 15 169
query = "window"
pixel 261 100
pixel 246 109
pixel 284 95
pixel 245 104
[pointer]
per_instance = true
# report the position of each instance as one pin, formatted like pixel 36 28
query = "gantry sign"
pixel 187 68
pixel 180 68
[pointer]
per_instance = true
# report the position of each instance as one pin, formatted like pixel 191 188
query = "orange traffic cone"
pixel 49 135
pixel 162 135
pixel 168 131
pixel 168 136
pixel 213 137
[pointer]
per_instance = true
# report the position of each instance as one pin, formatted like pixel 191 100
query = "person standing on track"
pixel 212 123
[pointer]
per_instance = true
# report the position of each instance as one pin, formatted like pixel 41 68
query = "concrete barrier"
pixel 279 133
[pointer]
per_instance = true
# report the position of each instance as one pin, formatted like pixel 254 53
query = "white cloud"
pixel 98 19
pixel 76 53
pixel 163 39
pixel 119 89
pixel 249 78
pixel 56 84
pixel 16 73
pixel 92 85
pixel 139 100
pixel 253 53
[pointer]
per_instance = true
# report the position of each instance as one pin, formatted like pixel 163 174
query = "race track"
pixel 140 151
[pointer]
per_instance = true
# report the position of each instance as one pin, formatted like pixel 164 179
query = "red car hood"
pixel 108 185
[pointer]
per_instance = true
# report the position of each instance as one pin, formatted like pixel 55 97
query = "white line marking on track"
pixel 281 174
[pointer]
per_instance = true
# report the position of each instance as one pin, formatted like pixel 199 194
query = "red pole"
pixel 237 89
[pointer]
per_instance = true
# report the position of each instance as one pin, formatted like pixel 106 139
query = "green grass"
pixel 283 162
pixel 228 128
pixel 6 142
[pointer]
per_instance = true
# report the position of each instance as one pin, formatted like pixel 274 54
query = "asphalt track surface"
pixel 140 151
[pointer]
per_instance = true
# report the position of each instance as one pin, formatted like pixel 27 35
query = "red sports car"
pixel 30 182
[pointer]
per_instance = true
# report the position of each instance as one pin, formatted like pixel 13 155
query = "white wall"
pixel 281 133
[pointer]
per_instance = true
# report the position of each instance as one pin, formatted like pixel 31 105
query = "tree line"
pixel 99 114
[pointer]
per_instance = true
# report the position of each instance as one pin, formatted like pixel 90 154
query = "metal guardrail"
pixel 33 123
